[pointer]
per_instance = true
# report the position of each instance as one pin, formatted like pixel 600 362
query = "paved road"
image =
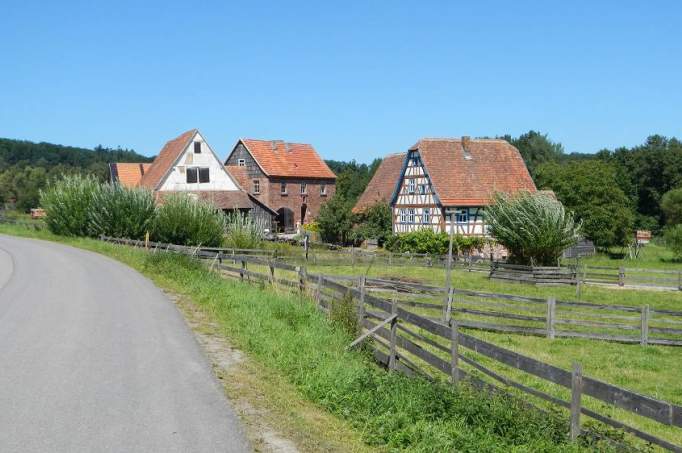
pixel 93 357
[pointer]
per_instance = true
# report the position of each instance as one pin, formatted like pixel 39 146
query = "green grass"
pixel 289 335
pixel 652 256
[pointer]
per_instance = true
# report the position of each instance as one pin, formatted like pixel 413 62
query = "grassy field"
pixel 290 337
pixel 652 256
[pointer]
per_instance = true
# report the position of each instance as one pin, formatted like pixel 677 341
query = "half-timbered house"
pixel 188 164
pixel 445 184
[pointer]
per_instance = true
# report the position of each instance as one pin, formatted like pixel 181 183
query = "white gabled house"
pixel 188 164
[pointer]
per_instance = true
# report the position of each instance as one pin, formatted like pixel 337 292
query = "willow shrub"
pixel 535 228
pixel 68 203
pixel 183 220
pixel 121 212
pixel 243 232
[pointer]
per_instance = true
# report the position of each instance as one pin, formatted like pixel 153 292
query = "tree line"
pixel 26 167
pixel 612 192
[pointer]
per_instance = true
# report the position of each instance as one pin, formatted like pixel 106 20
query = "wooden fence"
pixel 408 342
pixel 541 317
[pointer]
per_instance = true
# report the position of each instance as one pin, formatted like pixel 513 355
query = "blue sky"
pixel 356 79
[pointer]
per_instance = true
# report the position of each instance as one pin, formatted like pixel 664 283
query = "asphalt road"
pixel 93 357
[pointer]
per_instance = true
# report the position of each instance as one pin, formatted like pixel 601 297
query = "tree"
pixel 535 228
pixel 671 205
pixel 536 149
pixel 352 178
pixel 673 239
pixel 335 220
pixel 374 223
pixel 590 189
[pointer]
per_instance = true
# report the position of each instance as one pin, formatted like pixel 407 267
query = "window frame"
pixel 411 215
pixel 461 216
pixel 204 171
pixel 304 188
pixel 197 146
pixel 402 214
pixel 256 186
pixel 192 171
pixel 282 188
pixel 411 186
pixel 426 216
pixel 323 190
pixel 241 162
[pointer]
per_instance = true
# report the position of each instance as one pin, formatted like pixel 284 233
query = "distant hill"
pixel 26 167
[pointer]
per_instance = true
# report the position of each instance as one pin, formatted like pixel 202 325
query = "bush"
pixel 120 212
pixel 68 203
pixel 343 315
pixel 335 220
pixel 373 223
pixel 534 228
pixel 243 232
pixel 183 220
pixel 427 241
pixel 673 239
pixel 671 205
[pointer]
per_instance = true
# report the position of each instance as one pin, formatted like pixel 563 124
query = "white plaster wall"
pixel 219 179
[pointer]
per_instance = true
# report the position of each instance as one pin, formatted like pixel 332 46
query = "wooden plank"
pixel 498 314
pixel 454 352
pixel 371 332
pixel 645 326
pixel 551 315
pixel 394 333
pixel 576 395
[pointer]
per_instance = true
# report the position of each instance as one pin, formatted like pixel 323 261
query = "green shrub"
pixel 373 223
pixel 534 228
pixel 243 232
pixel 183 220
pixel 121 212
pixel 427 241
pixel 673 239
pixel 343 315
pixel 68 203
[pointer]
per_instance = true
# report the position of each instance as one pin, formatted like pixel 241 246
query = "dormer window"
pixel 241 162
pixel 197 147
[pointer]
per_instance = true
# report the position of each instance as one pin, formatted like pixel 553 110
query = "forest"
pixel 26 167
pixel 612 191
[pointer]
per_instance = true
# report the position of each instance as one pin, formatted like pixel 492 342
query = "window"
pixel 283 188
pixel 410 215
pixel 192 175
pixel 256 186
pixel 204 175
pixel 323 190
pixel 304 188
pixel 422 189
pixel 403 215
pixel 197 147
pixel 426 215
pixel 462 215
pixel 241 162
pixel 411 185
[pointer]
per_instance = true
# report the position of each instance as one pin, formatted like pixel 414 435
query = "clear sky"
pixel 356 79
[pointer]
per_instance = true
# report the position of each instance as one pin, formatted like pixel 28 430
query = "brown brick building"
pixel 290 178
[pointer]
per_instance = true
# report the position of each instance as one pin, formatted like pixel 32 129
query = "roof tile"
pixel 278 158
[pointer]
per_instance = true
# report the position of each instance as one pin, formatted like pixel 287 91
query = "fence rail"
pixel 403 337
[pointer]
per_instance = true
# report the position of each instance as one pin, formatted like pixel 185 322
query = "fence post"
pixel 621 276
pixel 241 272
pixel 645 326
pixel 146 240
pixel 361 304
pixel 318 290
pixel 272 272
pixel 679 280
pixel 394 334
pixel 448 282
pixel 454 352
pixel 551 315
pixel 576 394
pixel 301 278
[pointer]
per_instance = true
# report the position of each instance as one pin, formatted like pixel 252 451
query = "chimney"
pixel 466 140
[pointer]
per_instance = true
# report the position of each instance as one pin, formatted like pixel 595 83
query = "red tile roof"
pixel 165 160
pixel 468 172
pixel 222 199
pixel 128 174
pixel 277 158
pixel 239 174
pixel 382 184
